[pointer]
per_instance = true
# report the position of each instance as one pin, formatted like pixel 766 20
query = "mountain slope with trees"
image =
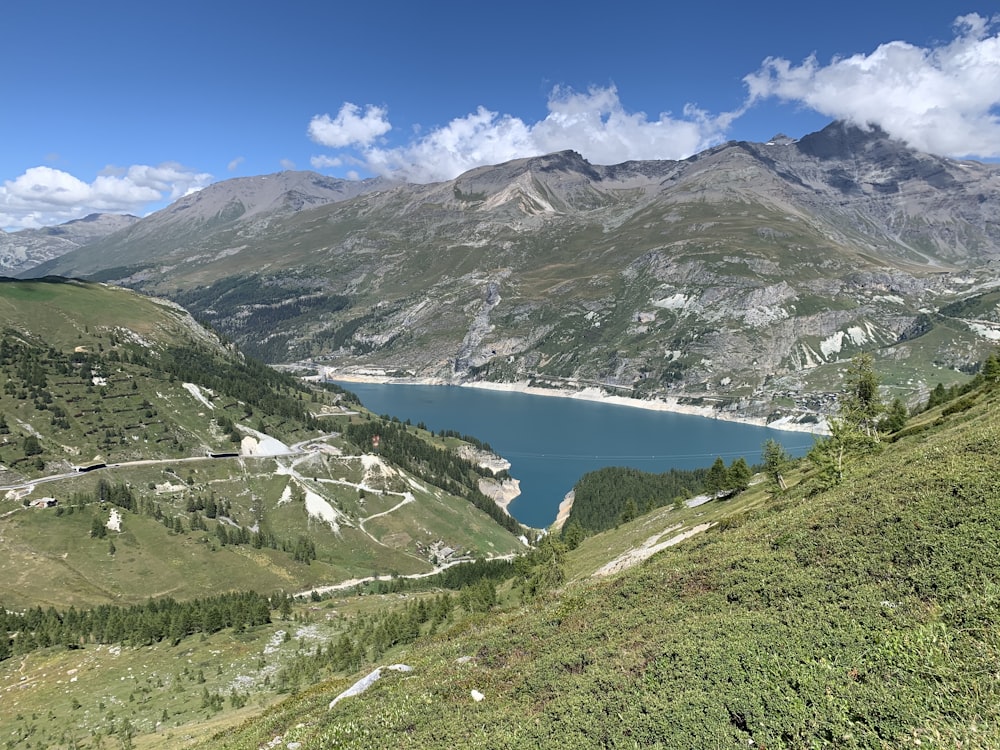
pixel 140 455
pixel 854 613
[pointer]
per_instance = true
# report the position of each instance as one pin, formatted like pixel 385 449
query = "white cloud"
pixel 598 126
pixel 482 137
pixel 235 163
pixel 942 99
pixel 43 196
pixel 593 123
pixel 287 164
pixel 349 127
pixel 325 162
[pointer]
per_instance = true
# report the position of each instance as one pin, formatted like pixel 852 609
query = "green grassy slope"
pixel 93 374
pixel 862 616
pixel 66 310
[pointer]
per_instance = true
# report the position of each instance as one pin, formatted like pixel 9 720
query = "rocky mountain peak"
pixel 841 140
pixel 246 196
pixel 563 161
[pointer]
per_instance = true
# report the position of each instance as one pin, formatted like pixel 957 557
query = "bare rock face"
pixel 740 278
pixel 25 249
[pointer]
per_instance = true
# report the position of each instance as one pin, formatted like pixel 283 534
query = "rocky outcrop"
pixel 27 248
pixel 501 491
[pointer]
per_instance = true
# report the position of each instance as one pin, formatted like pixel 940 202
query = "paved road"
pixel 297 449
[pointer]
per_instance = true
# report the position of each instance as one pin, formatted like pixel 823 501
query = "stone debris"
pixel 367 681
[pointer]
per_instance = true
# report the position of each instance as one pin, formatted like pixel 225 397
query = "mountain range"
pixel 740 278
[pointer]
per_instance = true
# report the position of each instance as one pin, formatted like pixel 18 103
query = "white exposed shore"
pixel 501 492
pixel 590 394
pixel 564 510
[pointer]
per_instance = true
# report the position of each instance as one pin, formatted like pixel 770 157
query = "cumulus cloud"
pixel 482 137
pixel 942 99
pixel 349 127
pixel 594 123
pixel 598 126
pixel 43 195
pixel 325 162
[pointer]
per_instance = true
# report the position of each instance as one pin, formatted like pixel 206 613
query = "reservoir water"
pixel 551 442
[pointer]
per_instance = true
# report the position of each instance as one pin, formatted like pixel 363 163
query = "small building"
pixel 44 502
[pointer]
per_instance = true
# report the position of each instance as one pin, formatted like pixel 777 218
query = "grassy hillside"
pixel 860 616
pixel 93 375
pixel 97 373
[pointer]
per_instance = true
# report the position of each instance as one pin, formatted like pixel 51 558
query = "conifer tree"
pixel 855 428
pixel 938 396
pixel 573 534
pixel 860 405
pixel 775 461
pixel 717 478
pixel 991 369
pixel 31 446
pixel 739 475
pixel 895 416
pixel 98 529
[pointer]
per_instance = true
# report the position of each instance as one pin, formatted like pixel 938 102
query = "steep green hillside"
pixel 210 471
pixel 864 615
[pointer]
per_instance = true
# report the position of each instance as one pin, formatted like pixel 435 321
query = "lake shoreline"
pixel 562 515
pixel 550 443
pixel 593 394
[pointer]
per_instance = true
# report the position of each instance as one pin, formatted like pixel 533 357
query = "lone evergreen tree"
pixel 855 429
pixel 573 534
pixel 31 446
pixel 717 477
pixel 98 529
pixel 860 405
pixel 895 416
pixel 938 396
pixel 775 461
pixel 991 370
pixel 739 475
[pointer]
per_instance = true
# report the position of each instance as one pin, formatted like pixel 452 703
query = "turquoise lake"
pixel 551 442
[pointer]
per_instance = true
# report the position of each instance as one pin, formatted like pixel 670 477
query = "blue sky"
pixel 114 106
